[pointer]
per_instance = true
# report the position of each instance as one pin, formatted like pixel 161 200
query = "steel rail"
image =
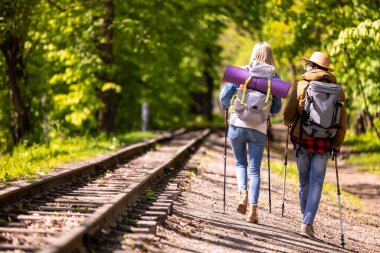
pixel 16 193
pixel 76 238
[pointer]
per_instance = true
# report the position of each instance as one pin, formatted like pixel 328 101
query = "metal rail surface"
pixel 13 194
pixel 60 219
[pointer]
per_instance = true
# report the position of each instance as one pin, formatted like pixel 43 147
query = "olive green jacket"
pixel 297 100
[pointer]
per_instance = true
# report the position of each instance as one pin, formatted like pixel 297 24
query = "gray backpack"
pixel 255 110
pixel 251 106
pixel 321 115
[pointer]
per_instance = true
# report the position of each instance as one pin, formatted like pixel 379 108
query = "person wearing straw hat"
pixel 311 152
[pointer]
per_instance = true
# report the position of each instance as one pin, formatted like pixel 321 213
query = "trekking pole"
pixel 268 157
pixel 285 164
pixel 339 203
pixel 225 158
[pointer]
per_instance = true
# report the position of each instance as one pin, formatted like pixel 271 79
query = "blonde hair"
pixel 262 52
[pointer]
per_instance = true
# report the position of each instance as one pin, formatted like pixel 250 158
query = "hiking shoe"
pixel 252 214
pixel 242 207
pixel 307 230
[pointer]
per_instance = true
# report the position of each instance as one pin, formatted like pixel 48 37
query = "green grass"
pixel 200 122
pixel 366 148
pixel 291 170
pixel 149 194
pixel 368 142
pixel 276 120
pixel 369 162
pixel 28 162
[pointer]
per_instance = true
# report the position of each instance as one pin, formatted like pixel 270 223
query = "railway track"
pixel 63 212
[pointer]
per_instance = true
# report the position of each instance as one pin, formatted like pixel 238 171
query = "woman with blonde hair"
pixel 253 133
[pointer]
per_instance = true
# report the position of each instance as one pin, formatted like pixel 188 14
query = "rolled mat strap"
pixel 245 89
pixel 269 91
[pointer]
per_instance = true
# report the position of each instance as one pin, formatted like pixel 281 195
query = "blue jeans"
pixel 239 137
pixel 312 170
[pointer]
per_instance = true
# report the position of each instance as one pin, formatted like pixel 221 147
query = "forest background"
pixel 74 73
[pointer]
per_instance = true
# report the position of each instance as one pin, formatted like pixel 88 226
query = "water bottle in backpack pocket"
pixel 253 108
pixel 322 109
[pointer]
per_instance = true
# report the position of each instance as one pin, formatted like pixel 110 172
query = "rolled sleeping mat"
pixel 238 75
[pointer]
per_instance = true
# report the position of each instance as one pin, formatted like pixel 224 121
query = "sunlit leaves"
pixel 160 53
pixel 365 36
pixel 111 86
pixel 347 30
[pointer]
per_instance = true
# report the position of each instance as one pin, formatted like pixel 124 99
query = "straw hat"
pixel 319 59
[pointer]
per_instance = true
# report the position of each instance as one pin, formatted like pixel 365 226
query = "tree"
pixel 347 30
pixel 15 16
pixel 108 91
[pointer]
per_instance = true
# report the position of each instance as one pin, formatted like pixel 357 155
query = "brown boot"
pixel 242 207
pixel 307 230
pixel 252 214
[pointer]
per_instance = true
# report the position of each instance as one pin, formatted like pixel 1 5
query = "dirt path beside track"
pixel 198 223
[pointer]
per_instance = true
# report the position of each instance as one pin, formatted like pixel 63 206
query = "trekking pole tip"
pixel 282 210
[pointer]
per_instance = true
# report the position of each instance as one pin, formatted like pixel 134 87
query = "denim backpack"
pixel 251 106
pixel 322 109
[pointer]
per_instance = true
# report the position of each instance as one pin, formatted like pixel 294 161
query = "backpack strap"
pixel 292 127
pixel 301 116
pixel 294 124
pixel 336 126
pixel 299 150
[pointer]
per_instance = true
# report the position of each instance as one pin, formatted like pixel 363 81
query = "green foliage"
pixel 348 31
pixel 14 17
pixel 366 151
pixel 38 159
pixel 170 54
pixel 362 143
pixel 200 122
pixel 149 194
pixel 358 48
pixel 368 162
pixel 161 53
pixel 349 201
pixel 291 171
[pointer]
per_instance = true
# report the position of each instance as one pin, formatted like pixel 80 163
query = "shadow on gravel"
pixel 357 189
pixel 177 247
pixel 243 245
pixel 263 233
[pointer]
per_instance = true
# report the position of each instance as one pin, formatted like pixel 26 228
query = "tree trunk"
pixel 360 126
pixel 293 72
pixel 361 88
pixel 108 97
pixel 12 49
pixel 207 102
